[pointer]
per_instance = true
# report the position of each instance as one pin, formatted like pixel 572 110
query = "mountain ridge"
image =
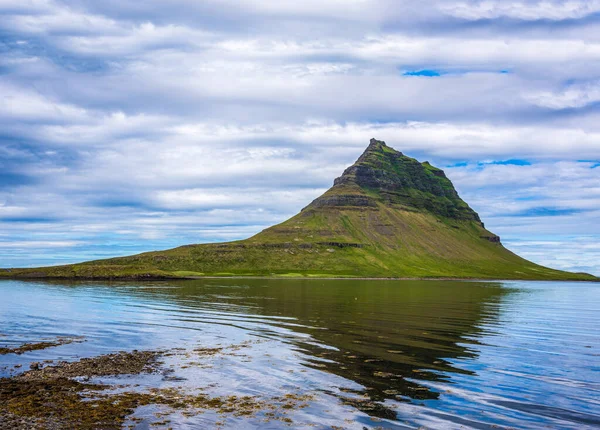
pixel 386 216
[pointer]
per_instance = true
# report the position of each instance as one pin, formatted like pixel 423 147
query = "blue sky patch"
pixel 528 198
pixel 425 72
pixel 511 162
pixel 8 179
pixel 547 212
pixel 595 163
pixel 439 72
pixel 28 220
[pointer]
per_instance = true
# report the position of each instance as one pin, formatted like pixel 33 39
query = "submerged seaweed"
pixel 36 346
pixel 51 398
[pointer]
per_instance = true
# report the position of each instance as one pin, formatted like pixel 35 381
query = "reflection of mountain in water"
pixel 387 335
pixel 383 335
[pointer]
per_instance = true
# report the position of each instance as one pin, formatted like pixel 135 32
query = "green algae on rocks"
pixel 52 397
pixel 36 346
pixel 48 397
pixel 387 216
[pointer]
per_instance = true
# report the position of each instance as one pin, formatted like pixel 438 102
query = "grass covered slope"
pixel 387 216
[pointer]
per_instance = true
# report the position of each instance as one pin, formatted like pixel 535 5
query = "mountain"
pixel 387 216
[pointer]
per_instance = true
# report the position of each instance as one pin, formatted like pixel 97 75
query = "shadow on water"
pixel 387 336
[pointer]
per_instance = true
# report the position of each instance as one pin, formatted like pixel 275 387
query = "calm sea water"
pixel 375 354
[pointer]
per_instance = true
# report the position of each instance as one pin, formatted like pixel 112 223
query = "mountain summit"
pixel 384 175
pixel 387 216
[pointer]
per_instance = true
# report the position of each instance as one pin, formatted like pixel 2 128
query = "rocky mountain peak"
pixel 376 143
pixel 383 175
pixel 375 146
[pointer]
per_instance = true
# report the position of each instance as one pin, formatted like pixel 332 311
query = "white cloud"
pixel 25 104
pixel 403 49
pixel 27 6
pixel 331 8
pixel 575 96
pixel 528 11
pixel 206 199
pixel 36 244
pixel 59 20
pixel 575 253
pixel 505 190
pixel 132 40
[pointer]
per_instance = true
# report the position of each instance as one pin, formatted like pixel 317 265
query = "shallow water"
pixel 374 354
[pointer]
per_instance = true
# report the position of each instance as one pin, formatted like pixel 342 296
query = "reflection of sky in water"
pixel 437 354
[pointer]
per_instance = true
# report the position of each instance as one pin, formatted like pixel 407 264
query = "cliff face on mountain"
pixel 384 175
pixel 387 216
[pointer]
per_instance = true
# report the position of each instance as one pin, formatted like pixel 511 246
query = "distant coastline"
pixel 153 278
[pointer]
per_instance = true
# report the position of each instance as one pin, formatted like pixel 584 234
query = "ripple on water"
pixel 365 353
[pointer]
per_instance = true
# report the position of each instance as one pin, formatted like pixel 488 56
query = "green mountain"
pixel 387 216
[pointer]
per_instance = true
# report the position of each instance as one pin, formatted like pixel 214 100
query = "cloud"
pixel 572 97
pixel 38 244
pixel 233 198
pixel 523 10
pixel 140 37
pixel 562 188
pixel 576 253
pixel 57 20
pixel 27 104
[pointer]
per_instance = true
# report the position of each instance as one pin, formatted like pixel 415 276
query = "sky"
pixel 130 126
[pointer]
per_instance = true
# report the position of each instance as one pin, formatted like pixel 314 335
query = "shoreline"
pixel 294 278
pixel 386 279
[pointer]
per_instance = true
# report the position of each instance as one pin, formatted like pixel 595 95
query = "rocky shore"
pixel 63 395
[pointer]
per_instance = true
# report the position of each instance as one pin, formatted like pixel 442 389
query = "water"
pixel 374 354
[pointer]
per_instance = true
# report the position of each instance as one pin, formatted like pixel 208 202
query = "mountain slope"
pixel 388 215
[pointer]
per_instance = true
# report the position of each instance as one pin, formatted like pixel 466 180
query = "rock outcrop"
pixel 388 176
